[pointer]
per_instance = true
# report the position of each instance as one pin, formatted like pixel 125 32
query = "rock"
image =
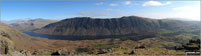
pixel 102 51
pixel 24 52
pixel 55 53
pixel 83 50
pixel 7 45
pixel 43 52
pixel 132 52
pixel 140 47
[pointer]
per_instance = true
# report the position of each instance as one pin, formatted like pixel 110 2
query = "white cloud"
pixel 191 12
pixel 168 3
pixel 93 13
pixel 108 9
pixel 105 13
pixel 155 3
pixel 184 8
pixel 154 15
pixel 113 4
pixel 101 3
pixel 127 2
pixel 183 13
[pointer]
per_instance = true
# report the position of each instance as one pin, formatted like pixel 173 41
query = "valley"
pixel 100 28
pixel 86 36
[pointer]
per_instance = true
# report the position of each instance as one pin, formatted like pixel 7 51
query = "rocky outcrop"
pixel 11 41
pixel 15 43
pixel 43 52
pixel 8 48
pixel 7 45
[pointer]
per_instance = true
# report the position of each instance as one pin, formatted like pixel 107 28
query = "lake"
pixel 56 37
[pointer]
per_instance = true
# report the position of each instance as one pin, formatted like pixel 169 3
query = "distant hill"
pixel 182 19
pixel 86 26
pixel 30 25
pixel 177 24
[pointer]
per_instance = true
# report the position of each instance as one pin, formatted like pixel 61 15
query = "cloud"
pixel 154 15
pixel 101 3
pixel 105 13
pixel 127 2
pixel 168 3
pixel 108 9
pixel 93 13
pixel 185 8
pixel 113 4
pixel 182 12
pixel 191 12
pixel 155 3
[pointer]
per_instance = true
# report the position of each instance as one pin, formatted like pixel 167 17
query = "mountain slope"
pixel 85 26
pixel 30 25
pixel 12 39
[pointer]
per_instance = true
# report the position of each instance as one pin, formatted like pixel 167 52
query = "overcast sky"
pixel 12 10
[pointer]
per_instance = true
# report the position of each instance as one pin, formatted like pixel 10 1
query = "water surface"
pixel 57 37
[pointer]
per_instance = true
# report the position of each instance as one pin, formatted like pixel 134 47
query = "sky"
pixel 57 10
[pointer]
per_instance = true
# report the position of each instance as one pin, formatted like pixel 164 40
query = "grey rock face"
pixel 85 26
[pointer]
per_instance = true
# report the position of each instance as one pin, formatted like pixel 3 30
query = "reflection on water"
pixel 69 37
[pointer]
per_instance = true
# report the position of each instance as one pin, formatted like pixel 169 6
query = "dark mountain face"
pixel 85 26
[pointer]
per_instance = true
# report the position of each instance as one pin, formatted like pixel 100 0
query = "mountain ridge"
pixel 83 26
pixel 86 26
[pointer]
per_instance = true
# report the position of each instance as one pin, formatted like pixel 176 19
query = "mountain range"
pixel 30 25
pixel 164 36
